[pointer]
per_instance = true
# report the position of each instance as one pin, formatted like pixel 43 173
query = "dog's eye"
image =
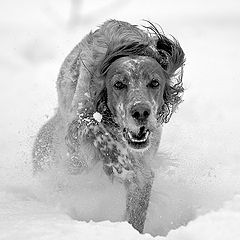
pixel 119 85
pixel 153 84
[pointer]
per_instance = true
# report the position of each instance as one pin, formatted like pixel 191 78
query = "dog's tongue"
pixel 141 133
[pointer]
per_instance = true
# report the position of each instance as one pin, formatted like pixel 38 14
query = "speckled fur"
pixel 75 141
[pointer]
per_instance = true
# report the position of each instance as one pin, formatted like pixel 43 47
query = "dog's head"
pixel 135 87
pixel 141 89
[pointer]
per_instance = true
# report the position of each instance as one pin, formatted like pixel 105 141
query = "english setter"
pixel 115 90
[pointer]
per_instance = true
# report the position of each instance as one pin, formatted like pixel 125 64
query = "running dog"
pixel 116 89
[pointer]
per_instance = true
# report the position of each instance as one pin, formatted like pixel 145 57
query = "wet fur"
pixel 75 141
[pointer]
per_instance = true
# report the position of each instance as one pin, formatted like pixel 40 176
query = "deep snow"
pixel 196 192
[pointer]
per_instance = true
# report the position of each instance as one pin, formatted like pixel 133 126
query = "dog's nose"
pixel 140 112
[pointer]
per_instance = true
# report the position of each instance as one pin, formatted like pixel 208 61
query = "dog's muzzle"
pixel 138 135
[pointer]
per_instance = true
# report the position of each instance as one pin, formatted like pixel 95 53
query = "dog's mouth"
pixel 137 140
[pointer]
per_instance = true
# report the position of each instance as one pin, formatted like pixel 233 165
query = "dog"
pixel 116 89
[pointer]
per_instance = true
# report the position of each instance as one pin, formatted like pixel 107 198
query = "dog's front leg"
pixel 138 195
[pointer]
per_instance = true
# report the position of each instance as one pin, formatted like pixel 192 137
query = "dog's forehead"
pixel 138 63
pixel 135 68
pixel 133 63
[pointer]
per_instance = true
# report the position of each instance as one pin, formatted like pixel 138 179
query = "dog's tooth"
pixel 146 136
pixel 130 136
pixel 136 140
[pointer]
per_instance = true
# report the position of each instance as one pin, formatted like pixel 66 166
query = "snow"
pixel 26 218
pixel 221 224
pixel 97 116
pixel 196 193
pixel 23 216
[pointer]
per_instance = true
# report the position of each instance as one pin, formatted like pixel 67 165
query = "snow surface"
pixel 196 194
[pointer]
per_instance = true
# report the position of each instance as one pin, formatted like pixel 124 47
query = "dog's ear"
pixel 171 58
pixel 101 101
pixel 172 61
pixel 171 55
pixel 101 106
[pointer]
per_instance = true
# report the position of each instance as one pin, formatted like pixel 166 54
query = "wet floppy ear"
pixel 171 54
pixel 171 58
pixel 101 101
pixel 102 106
pixel 172 96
